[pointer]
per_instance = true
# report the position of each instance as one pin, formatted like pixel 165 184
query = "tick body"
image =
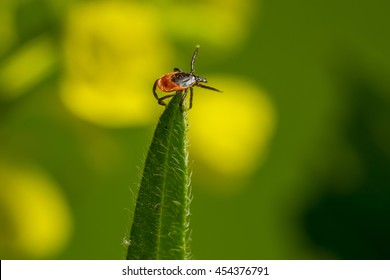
pixel 180 82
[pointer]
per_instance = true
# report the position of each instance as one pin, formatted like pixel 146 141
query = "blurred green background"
pixel 291 161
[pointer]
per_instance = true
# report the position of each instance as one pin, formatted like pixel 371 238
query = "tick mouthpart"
pixel 200 79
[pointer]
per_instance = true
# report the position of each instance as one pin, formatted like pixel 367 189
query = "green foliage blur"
pixel 69 172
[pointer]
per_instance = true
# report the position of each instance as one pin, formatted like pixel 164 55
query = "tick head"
pixel 200 79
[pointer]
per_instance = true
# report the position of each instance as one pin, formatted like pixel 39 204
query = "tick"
pixel 180 82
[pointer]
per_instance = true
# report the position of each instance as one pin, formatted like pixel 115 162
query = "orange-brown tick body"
pixel 166 83
pixel 179 82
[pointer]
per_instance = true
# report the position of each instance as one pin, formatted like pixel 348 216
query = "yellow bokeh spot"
pixel 30 64
pixel 113 53
pixel 7 30
pixel 220 23
pixel 230 131
pixel 36 220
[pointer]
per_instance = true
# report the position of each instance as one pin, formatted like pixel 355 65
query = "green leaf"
pixel 161 219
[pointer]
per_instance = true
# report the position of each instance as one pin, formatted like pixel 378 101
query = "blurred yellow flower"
pixel 7 30
pixel 114 50
pixel 113 53
pixel 26 67
pixel 230 132
pixel 220 23
pixel 35 217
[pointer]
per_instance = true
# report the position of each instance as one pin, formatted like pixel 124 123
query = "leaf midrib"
pixel 163 196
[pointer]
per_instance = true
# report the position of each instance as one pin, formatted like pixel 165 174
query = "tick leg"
pixel 193 58
pixel 177 69
pixel 154 90
pixel 183 98
pixel 207 87
pixel 160 100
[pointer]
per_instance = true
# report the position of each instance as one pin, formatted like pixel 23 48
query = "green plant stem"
pixel 161 219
